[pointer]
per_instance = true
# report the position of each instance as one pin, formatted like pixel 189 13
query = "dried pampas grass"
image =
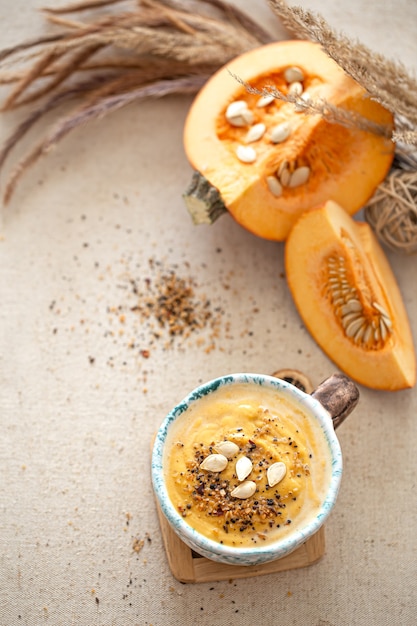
pixel 385 81
pixel 150 49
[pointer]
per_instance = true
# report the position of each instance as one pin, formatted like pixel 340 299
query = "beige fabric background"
pixel 79 404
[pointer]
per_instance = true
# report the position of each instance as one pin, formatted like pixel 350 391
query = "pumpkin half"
pixel 264 159
pixel 346 294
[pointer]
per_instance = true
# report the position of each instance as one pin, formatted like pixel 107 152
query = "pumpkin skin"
pixel 346 294
pixel 346 165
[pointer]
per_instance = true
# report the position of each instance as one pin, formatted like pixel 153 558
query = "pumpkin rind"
pixel 346 164
pixel 332 264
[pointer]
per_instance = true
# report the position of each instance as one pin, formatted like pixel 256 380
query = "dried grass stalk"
pixel 103 106
pixel 328 111
pixel 386 81
pixel 152 49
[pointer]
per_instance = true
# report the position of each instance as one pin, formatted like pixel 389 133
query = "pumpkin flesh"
pixel 345 164
pixel 347 295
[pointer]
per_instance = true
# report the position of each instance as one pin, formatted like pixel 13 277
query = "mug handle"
pixel 338 394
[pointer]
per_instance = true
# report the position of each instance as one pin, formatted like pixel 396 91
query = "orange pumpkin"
pixel 266 161
pixel 348 298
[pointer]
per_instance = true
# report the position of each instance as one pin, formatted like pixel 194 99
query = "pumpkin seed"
pixel 350 317
pixel 336 293
pixel 294 74
pixel 305 98
pixel 243 467
pixel 255 132
pixel 238 114
pixel 247 116
pixel 354 304
pixel 214 463
pixel 227 448
pixel 244 490
pixel 383 329
pixel 386 323
pixel 284 173
pixel 367 334
pixel 274 186
pixel 236 107
pixel 299 176
pixel 264 101
pixel 281 132
pixel 246 154
pixel 354 326
pixel 381 309
pixel 351 306
pixel 283 166
pixel 275 473
pixel 295 89
pixel 359 333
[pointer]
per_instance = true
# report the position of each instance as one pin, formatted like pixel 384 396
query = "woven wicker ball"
pixel 392 211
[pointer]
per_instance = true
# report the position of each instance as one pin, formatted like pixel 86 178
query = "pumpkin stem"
pixel 203 201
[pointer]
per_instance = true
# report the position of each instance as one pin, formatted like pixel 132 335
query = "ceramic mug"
pixel 317 415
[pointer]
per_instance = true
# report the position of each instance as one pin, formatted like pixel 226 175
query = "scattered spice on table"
pixel 147 307
pixel 173 301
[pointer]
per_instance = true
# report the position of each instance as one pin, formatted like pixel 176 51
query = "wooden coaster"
pixel 189 567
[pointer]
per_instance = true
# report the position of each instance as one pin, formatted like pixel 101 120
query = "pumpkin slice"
pixel 348 298
pixel 265 160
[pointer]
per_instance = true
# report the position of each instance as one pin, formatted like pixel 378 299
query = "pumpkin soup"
pixel 246 465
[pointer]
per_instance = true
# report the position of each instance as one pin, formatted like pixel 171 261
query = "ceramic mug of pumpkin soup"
pixel 247 467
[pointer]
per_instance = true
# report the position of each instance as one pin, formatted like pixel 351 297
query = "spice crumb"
pixel 138 544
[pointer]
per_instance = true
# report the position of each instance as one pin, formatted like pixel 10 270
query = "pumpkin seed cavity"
pixel 238 115
pixel 364 321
